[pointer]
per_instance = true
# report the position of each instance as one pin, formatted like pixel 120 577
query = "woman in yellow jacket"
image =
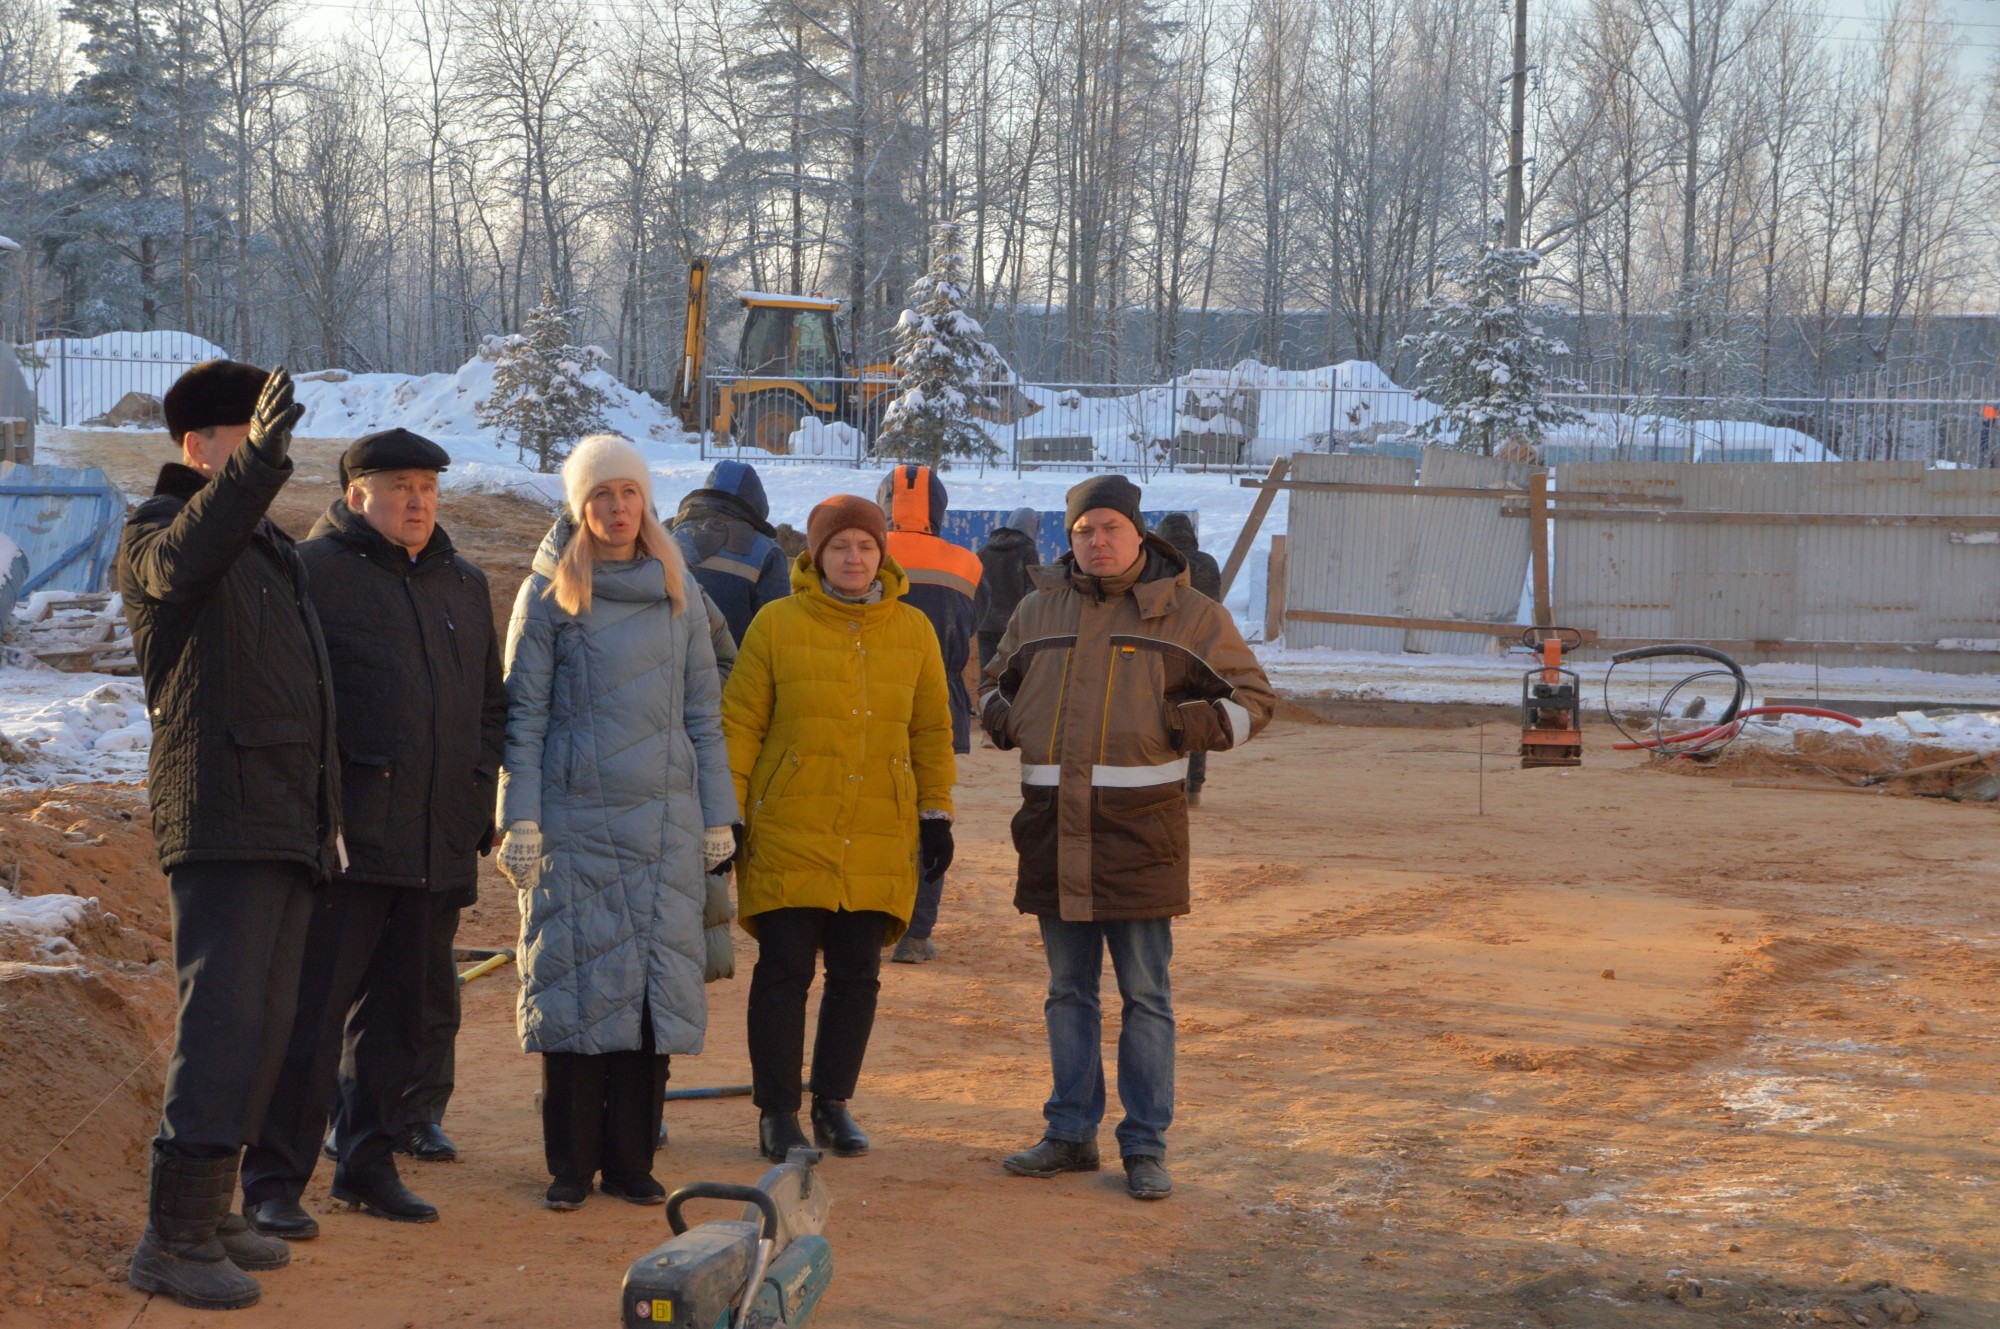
pixel 839 732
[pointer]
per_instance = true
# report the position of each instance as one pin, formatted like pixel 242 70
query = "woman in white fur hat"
pixel 617 802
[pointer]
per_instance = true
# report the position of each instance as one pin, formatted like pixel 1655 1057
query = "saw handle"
pixel 723 1190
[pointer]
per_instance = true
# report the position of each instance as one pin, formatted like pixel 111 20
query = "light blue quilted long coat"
pixel 614 746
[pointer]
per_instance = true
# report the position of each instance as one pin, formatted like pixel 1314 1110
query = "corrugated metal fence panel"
pixel 1347 553
pixel 67 522
pixel 1468 561
pixel 1963 575
pixel 1616 577
pixel 1692 581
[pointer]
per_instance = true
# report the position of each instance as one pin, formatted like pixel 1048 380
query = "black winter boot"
pixel 834 1128
pixel 778 1134
pixel 180 1252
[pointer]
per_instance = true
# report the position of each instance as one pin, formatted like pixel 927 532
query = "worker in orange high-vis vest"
pixel 944 578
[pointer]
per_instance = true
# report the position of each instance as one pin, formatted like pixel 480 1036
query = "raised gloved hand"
pixel 718 848
pixel 271 423
pixel 934 846
pixel 521 855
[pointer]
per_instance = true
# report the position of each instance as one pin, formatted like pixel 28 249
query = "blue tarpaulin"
pixel 970 528
pixel 66 520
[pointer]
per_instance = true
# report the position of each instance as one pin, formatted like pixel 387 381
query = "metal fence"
pixel 1218 420
pixel 1869 564
pixel 80 382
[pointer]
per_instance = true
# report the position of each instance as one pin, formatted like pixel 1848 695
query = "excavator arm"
pixel 694 348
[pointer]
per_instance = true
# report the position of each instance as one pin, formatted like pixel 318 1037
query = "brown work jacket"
pixel 1105 686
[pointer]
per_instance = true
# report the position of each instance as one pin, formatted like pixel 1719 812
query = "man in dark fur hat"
pixel 245 800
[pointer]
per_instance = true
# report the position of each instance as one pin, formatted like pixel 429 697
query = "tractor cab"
pixel 791 336
pixel 791 369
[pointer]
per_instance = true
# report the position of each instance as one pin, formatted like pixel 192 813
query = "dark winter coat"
pixel 1203 574
pixel 1107 685
pixel 1006 559
pixel 421 707
pixel 944 578
pixel 726 539
pixel 236 673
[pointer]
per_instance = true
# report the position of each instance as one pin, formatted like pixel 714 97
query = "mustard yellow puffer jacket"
pixel 839 732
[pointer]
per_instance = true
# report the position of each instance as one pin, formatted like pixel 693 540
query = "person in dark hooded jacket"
pixel 1005 560
pixel 944 581
pixel 725 535
pixel 421 715
pixel 1177 529
pixel 1204 576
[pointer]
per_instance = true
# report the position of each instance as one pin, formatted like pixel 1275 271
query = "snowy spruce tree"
pixel 1483 357
pixel 946 366
pixel 540 397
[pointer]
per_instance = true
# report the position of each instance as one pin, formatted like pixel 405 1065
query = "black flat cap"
pixel 390 450
pixel 212 393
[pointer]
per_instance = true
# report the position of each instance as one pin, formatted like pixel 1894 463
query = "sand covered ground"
pixel 1625 1050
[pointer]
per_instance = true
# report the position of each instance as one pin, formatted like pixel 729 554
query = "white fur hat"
pixel 600 458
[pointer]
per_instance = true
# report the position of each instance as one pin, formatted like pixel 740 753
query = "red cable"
pixel 1714 733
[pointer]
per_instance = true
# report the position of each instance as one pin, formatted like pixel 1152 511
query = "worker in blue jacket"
pixel 944 581
pixel 725 535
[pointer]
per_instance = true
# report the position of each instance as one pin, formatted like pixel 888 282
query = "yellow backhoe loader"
pixel 792 368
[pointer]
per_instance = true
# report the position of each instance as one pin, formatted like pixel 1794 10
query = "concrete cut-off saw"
pixel 766 1269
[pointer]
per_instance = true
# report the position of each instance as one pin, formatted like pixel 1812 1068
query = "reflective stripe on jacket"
pixel 1105 685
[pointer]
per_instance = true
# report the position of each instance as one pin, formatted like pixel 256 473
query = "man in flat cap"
pixel 422 718
pixel 245 801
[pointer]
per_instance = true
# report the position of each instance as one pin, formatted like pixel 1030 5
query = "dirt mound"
pixel 1844 759
pixel 85 1013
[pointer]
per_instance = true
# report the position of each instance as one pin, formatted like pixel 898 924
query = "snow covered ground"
pixel 1496 681
pixel 60 728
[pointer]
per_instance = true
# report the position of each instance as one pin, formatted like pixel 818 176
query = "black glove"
pixel 735 829
pixel 271 423
pixel 934 846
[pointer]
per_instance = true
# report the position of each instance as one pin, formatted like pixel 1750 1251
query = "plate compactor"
pixel 764 1270
pixel 1551 702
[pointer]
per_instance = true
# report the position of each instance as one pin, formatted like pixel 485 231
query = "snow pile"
pixel 1251 413
pixel 343 405
pixel 837 441
pixel 46 915
pixel 1607 436
pixel 1973 731
pixel 94 372
pixel 54 731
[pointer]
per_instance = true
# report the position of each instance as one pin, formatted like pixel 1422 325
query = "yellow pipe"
pixel 486 966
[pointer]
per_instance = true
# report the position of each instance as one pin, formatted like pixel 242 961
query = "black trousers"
pixel 788 944
pixel 239 932
pixel 1197 775
pixel 360 994
pixel 437 1033
pixel 600 1111
pixel 989 642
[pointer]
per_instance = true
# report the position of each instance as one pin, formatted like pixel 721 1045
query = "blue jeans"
pixel 1141 952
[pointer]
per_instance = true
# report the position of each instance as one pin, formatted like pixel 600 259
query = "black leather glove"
pixel 271 423
pixel 934 846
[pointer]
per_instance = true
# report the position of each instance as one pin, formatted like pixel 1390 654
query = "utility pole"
pixel 1517 126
